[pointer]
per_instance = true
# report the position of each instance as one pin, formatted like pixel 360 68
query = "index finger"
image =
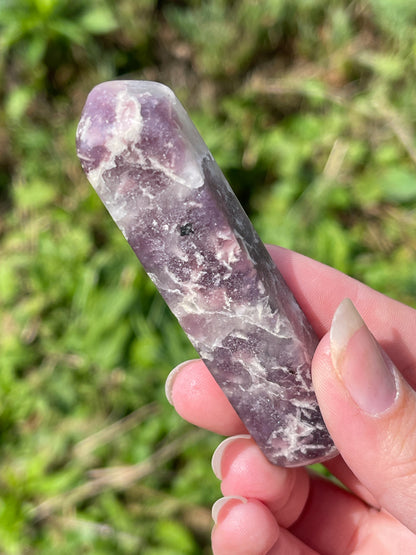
pixel 319 289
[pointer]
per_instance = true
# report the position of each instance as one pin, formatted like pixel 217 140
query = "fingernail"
pixel 171 378
pixel 219 451
pixel 222 502
pixel 365 370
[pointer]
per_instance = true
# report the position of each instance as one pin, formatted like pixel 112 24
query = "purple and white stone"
pixel 162 187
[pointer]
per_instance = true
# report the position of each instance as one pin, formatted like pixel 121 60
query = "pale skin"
pixel 369 408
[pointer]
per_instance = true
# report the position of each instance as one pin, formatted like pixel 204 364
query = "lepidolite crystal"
pixel 162 187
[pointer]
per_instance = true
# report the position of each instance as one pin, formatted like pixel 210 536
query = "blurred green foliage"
pixel 307 105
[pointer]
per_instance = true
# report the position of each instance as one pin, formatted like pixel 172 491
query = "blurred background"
pixel 309 108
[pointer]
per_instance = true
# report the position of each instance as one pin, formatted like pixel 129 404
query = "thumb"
pixel 370 411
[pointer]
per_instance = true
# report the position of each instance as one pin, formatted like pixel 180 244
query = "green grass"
pixel 308 107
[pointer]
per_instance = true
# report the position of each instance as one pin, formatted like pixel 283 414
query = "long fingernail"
pixel 220 504
pixel 171 378
pixel 365 370
pixel 219 451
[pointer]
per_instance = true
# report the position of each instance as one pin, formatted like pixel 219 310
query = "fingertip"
pixel 374 390
pixel 197 398
pixel 216 461
pixel 244 471
pixel 171 379
pixel 243 527
pixel 225 501
pixel 186 386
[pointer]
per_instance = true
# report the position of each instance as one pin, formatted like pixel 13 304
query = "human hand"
pixel 369 408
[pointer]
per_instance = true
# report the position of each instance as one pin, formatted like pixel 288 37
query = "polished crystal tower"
pixel 164 190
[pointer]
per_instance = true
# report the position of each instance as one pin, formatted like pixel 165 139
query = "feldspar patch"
pixel 161 185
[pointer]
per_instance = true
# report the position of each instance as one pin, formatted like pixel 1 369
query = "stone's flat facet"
pixel 162 187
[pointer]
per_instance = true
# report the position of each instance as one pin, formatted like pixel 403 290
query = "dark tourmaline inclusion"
pixel 164 190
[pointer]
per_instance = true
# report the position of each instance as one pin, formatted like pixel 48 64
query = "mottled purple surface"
pixel 164 190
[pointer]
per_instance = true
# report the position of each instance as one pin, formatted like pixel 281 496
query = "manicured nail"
pixel 367 372
pixel 219 451
pixel 171 378
pixel 220 504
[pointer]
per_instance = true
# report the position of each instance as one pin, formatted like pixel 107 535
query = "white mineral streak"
pixel 86 133
pixel 295 430
pixel 122 132
pixel 190 174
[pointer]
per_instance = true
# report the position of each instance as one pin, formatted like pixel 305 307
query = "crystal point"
pixel 161 185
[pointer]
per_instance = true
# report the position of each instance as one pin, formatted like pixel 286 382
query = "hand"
pixel 369 408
